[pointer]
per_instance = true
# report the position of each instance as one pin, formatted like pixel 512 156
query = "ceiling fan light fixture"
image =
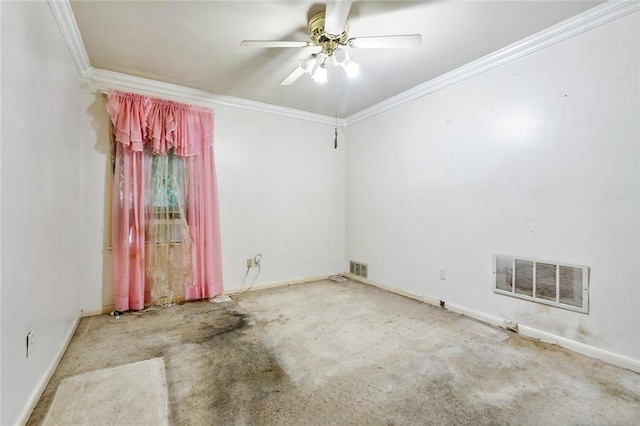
pixel 329 34
pixel 340 56
pixel 351 68
pixel 320 74
pixel 307 64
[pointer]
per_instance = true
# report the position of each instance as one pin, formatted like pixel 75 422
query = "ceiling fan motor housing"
pixel 319 37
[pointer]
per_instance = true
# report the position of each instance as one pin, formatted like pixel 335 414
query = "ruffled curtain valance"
pixel 139 120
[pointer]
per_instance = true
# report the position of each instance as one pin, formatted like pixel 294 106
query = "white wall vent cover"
pixel 551 283
pixel 358 268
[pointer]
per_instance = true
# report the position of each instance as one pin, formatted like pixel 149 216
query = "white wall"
pixel 40 199
pixel 96 187
pixel 281 193
pixel 281 187
pixel 538 158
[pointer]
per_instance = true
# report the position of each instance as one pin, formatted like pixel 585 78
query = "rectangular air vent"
pixel 357 268
pixel 551 283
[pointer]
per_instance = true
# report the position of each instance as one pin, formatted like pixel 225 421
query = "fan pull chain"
pixel 335 140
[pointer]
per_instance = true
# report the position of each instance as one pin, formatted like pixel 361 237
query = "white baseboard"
pixel 232 291
pixel 38 391
pixel 581 348
pixel 394 290
pixel 89 312
pixel 530 332
pixel 543 336
pixel 97 311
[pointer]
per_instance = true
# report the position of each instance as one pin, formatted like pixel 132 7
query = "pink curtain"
pixel 146 126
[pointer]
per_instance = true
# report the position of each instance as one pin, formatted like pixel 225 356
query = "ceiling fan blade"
pixel 335 16
pixel 274 43
pixel 381 42
pixel 292 77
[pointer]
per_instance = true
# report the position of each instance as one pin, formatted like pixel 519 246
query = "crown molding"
pixel 106 80
pixel 585 21
pixel 578 24
pixel 63 15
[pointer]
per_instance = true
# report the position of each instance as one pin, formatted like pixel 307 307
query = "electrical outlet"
pixel 443 274
pixel 255 261
pixel 30 343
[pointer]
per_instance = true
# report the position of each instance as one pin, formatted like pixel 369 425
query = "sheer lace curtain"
pixel 166 238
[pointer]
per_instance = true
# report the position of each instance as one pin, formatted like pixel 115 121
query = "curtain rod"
pixel 105 93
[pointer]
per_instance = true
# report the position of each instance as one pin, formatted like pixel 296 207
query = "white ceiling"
pixel 197 44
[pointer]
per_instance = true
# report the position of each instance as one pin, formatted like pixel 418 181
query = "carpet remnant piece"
pixel 128 394
pixel 221 298
pixel 485 331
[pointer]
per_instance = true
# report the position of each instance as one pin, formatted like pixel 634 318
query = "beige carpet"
pixel 328 353
pixel 132 394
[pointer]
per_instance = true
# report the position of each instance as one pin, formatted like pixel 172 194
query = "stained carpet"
pixel 328 353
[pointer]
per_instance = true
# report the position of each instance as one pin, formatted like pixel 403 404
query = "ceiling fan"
pixel 329 32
